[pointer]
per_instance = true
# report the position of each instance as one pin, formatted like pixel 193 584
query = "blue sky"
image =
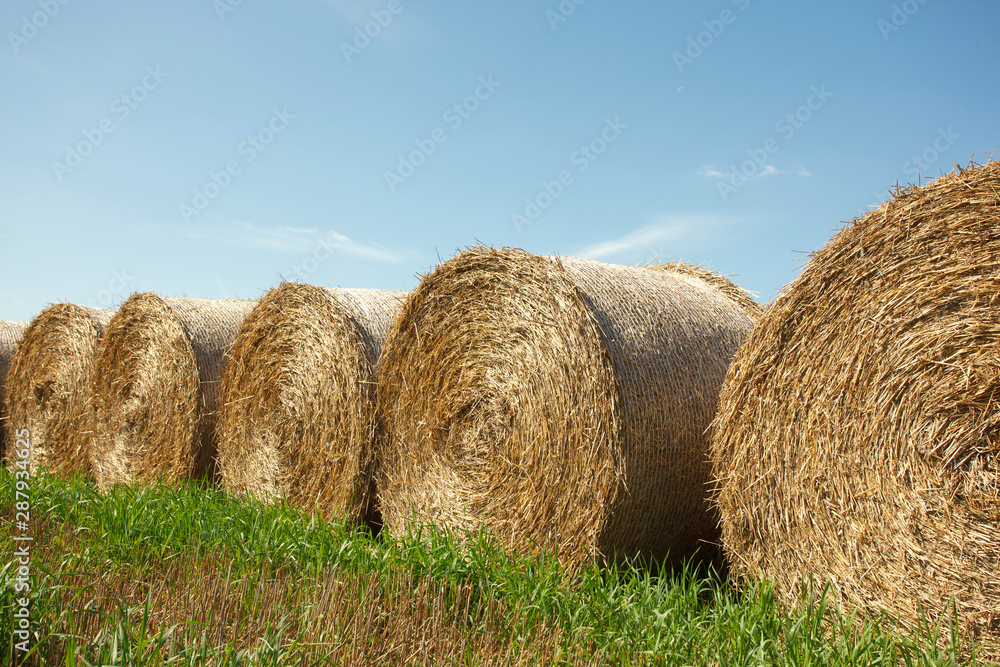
pixel 210 148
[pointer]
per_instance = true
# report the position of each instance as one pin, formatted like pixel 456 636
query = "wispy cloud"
pixel 766 170
pixel 301 240
pixel 712 172
pixel 331 240
pixel 642 239
pixel 239 232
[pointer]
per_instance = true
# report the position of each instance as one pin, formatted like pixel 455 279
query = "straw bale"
pixel 561 402
pixel 10 334
pixel 297 402
pixel 859 428
pixel 156 385
pixel 48 383
pixel 742 297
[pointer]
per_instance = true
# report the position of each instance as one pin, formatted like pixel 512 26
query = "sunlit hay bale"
pixel 858 435
pixel 48 385
pixel 561 402
pixel 742 297
pixel 297 404
pixel 156 385
pixel 10 334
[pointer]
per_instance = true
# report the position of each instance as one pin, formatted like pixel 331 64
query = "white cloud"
pixel 641 239
pixel 712 172
pixel 767 170
pixel 332 240
pixel 238 232
pixel 302 240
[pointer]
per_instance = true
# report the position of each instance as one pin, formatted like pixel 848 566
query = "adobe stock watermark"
pixel 31 25
pixel 581 159
pixel 321 251
pixel 363 35
pixel 248 150
pixel 919 162
pixel 225 7
pixel 20 459
pixel 454 117
pixel 562 12
pixel 900 14
pixel 114 292
pixel 699 42
pixel 756 163
pixel 122 108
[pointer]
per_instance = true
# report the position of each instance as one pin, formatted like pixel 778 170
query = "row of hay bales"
pixel 567 403
pixel 563 402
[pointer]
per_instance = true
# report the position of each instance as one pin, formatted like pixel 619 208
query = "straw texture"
pixel 562 402
pixel 859 429
pixel 10 334
pixel 49 381
pixel 297 405
pixel 156 385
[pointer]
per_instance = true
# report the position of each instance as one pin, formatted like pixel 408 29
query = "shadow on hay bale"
pixel 297 403
pixel 156 385
pixel 560 401
pixel 10 334
pixel 48 385
pixel 859 428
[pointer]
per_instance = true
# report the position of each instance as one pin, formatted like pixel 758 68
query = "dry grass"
pixel 48 382
pixel 860 425
pixel 562 402
pixel 10 334
pixel 297 405
pixel 208 609
pixel 156 386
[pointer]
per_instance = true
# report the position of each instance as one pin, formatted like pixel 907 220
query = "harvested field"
pixel 297 407
pixel 563 402
pixel 859 431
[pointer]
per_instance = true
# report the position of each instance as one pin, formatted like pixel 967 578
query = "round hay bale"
pixel 742 297
pixel 48 383
pixel 156 385
pixel 10 334
pixel 859 429
pixel 561 402
pixel 297 402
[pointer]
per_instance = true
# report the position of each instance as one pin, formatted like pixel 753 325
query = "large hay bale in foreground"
pixel 156 385
pixel 859 431
pixel 297 403
pixel 556 399
pixel 49 382
pixel 10 334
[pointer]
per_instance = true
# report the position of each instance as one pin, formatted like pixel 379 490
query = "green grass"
pixel 192 577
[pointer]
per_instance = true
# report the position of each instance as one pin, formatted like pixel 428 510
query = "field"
pixel 191 576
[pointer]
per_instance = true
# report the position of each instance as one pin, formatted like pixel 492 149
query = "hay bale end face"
pixel 562 402
pixel 49 381
pixel 10 334
pixel 859 431
pixel 297 405
pixel 155 388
